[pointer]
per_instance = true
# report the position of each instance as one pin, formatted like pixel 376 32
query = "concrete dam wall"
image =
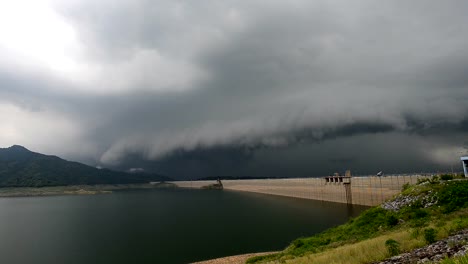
pixel 368 191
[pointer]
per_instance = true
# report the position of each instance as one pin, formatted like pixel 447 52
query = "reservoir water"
pixel 156 226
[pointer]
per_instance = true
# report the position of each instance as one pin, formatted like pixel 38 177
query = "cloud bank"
pixel 304 84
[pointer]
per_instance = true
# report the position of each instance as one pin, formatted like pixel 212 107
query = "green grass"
pixel 459 260
pixel 415 225
pixel 366 251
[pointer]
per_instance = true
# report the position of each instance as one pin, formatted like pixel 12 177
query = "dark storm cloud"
pixel 235 86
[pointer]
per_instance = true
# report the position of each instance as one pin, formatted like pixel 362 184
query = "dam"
pixel 364 190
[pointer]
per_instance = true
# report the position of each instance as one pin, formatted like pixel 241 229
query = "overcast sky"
pixel 202 88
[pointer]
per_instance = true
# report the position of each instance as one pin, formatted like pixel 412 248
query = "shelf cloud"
pixel 260 88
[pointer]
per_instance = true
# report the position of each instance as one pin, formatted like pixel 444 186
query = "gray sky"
pixel 259 88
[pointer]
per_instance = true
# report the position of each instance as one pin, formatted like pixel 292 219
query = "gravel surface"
pixel 238 259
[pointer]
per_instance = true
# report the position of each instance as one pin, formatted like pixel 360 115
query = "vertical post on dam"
pixel 341 180
pixel 347 186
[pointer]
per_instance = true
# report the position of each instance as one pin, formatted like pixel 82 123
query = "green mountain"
pixel 20 167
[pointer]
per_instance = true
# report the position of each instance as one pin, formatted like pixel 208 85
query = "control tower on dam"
pixel 366 190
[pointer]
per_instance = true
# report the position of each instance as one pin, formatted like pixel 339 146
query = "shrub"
pixel 446 177
pixel 405 186
pixel 298 243
pixel 392 220
pixel 430 235
pixel 454 195
pixel 393 247
pixel 420 213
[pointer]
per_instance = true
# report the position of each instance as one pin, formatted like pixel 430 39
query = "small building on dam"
pixel 465 165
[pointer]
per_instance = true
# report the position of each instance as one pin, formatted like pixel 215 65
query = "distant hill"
pixel 20 167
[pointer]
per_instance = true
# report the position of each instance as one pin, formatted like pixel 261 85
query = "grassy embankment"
pixel 437 209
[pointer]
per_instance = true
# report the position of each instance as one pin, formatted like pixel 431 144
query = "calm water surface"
pixel 156 226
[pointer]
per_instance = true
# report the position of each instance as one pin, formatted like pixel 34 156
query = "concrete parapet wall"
pixel 368 191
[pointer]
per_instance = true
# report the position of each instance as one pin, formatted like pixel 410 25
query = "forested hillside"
pixel 20 167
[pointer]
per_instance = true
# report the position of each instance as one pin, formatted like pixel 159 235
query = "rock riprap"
pixel 427 200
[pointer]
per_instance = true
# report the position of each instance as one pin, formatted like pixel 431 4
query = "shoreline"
pixel 235 259
pixel 10 192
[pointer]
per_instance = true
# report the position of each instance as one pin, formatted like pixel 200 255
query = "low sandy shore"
pixel 76 189
pixel 238 259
